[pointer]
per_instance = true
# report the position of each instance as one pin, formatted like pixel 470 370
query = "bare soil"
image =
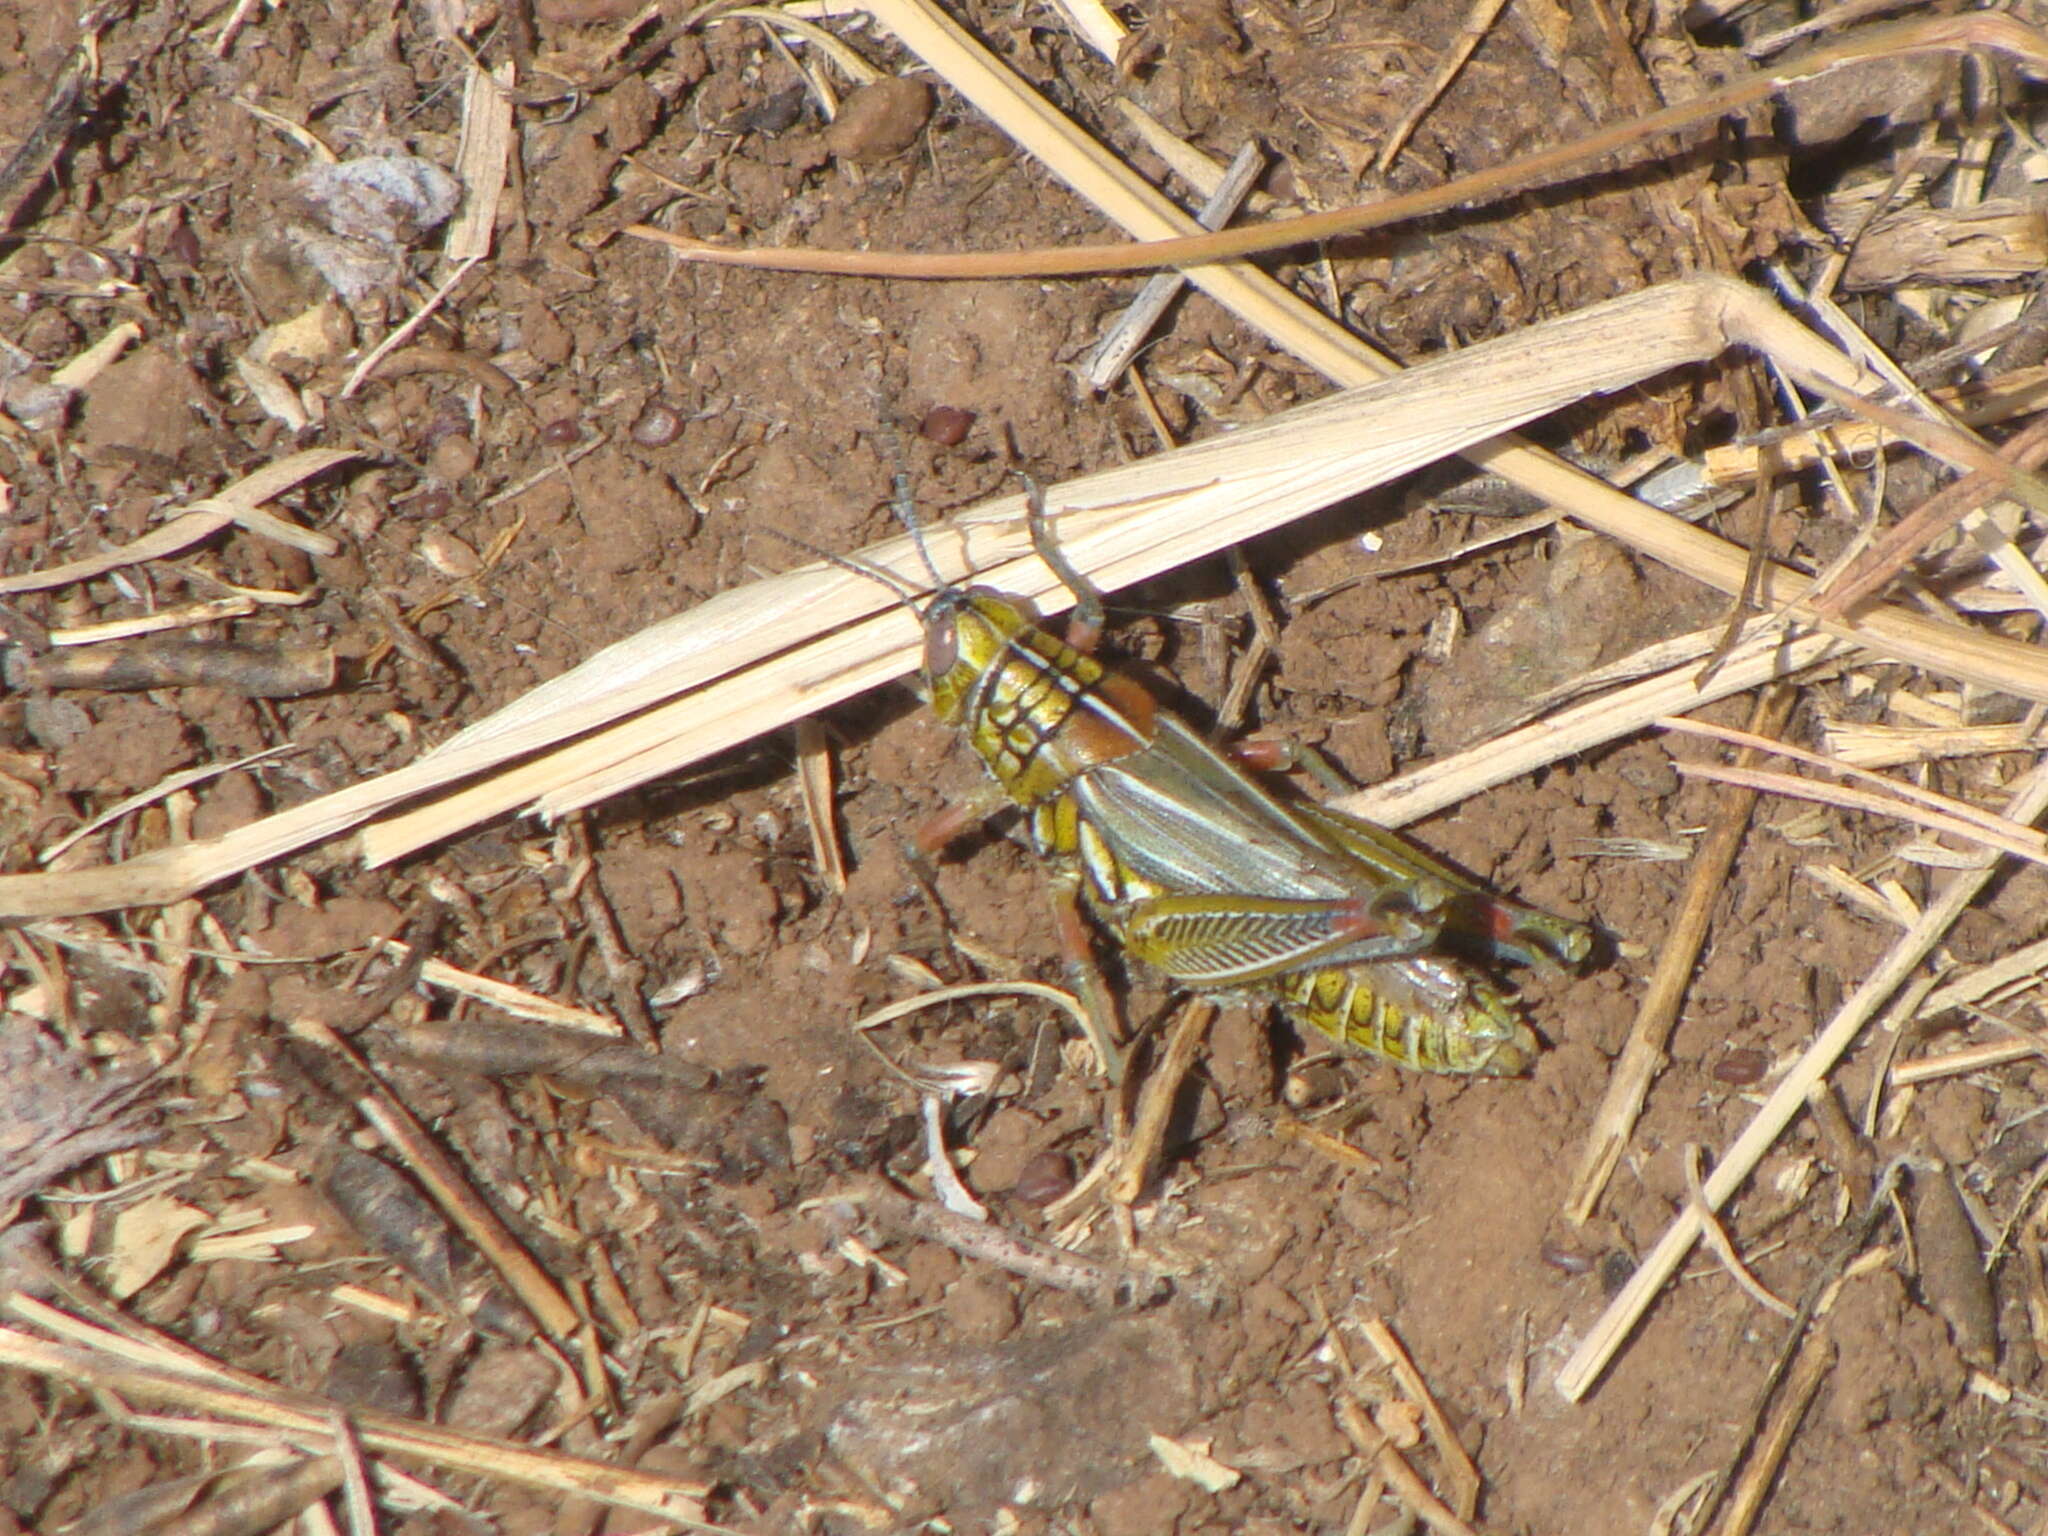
pixel 526 433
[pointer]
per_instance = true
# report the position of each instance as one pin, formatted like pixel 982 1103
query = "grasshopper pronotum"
pixel 1194 868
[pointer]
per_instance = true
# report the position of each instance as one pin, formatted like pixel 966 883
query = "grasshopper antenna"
pixel 904 592
pixel 904 504
pixel 905 507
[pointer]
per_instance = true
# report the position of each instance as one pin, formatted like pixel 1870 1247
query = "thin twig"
pixel 1103 1285
pixel 1470 36
pixel 1657 1015
pixel 1875 1208
pixel 1116 350
pixel 444 1182
pixel 413 322
pixel 1900 544
pixel 1157 1099
pixel 1401 1478
pixel 1809 1369
pixel 624 969
pixel 1724 1246
pixel 305 1419
pixel 1456 1462
pixel 1975 1058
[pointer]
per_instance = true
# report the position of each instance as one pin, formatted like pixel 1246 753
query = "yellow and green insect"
pixel 1189 865
pixel 1195 869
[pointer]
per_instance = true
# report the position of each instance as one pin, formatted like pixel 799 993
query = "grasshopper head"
pixel 967 632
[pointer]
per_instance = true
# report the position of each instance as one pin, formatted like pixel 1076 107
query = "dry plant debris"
pixel 353 466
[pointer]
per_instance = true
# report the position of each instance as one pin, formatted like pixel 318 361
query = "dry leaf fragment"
pixel 362 216
pixel 1190 1461
pixel 145 1240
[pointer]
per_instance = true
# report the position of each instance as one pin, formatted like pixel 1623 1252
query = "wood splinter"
pixel 253 672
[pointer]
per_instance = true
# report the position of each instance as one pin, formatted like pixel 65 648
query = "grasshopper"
pixel 1194 868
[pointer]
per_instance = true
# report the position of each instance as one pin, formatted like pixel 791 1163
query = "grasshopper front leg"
pixel 1085 624
pixel 1084 976
pixel 961 817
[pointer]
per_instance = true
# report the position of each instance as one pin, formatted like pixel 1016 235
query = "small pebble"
pixel 561 432
pixel 657 425
pixel 182 245
pixel 1566 1256
pixel 1043 1179
pixel 1742 1068
pixel 880 120
pixel 1316 1084
pixel 431 505
pixel 451 457
pixel 946 425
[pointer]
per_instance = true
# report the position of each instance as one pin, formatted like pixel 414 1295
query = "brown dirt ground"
pixel 945 1386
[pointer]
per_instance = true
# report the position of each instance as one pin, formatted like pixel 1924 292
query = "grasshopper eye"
pixel 941 646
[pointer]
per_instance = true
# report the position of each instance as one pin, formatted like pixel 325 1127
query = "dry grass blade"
pixel 1106 1054
pixel 2019 842
pixel 1134 522
pixel 1408 797
pixel 1887 746
pixel 239 502
pixel 160 790
pixel 1291 323
pixel 2018 971
pixel 821 815
pixel 764 655
pixel 2022 966
pixel 1960 810
pixel 481 158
